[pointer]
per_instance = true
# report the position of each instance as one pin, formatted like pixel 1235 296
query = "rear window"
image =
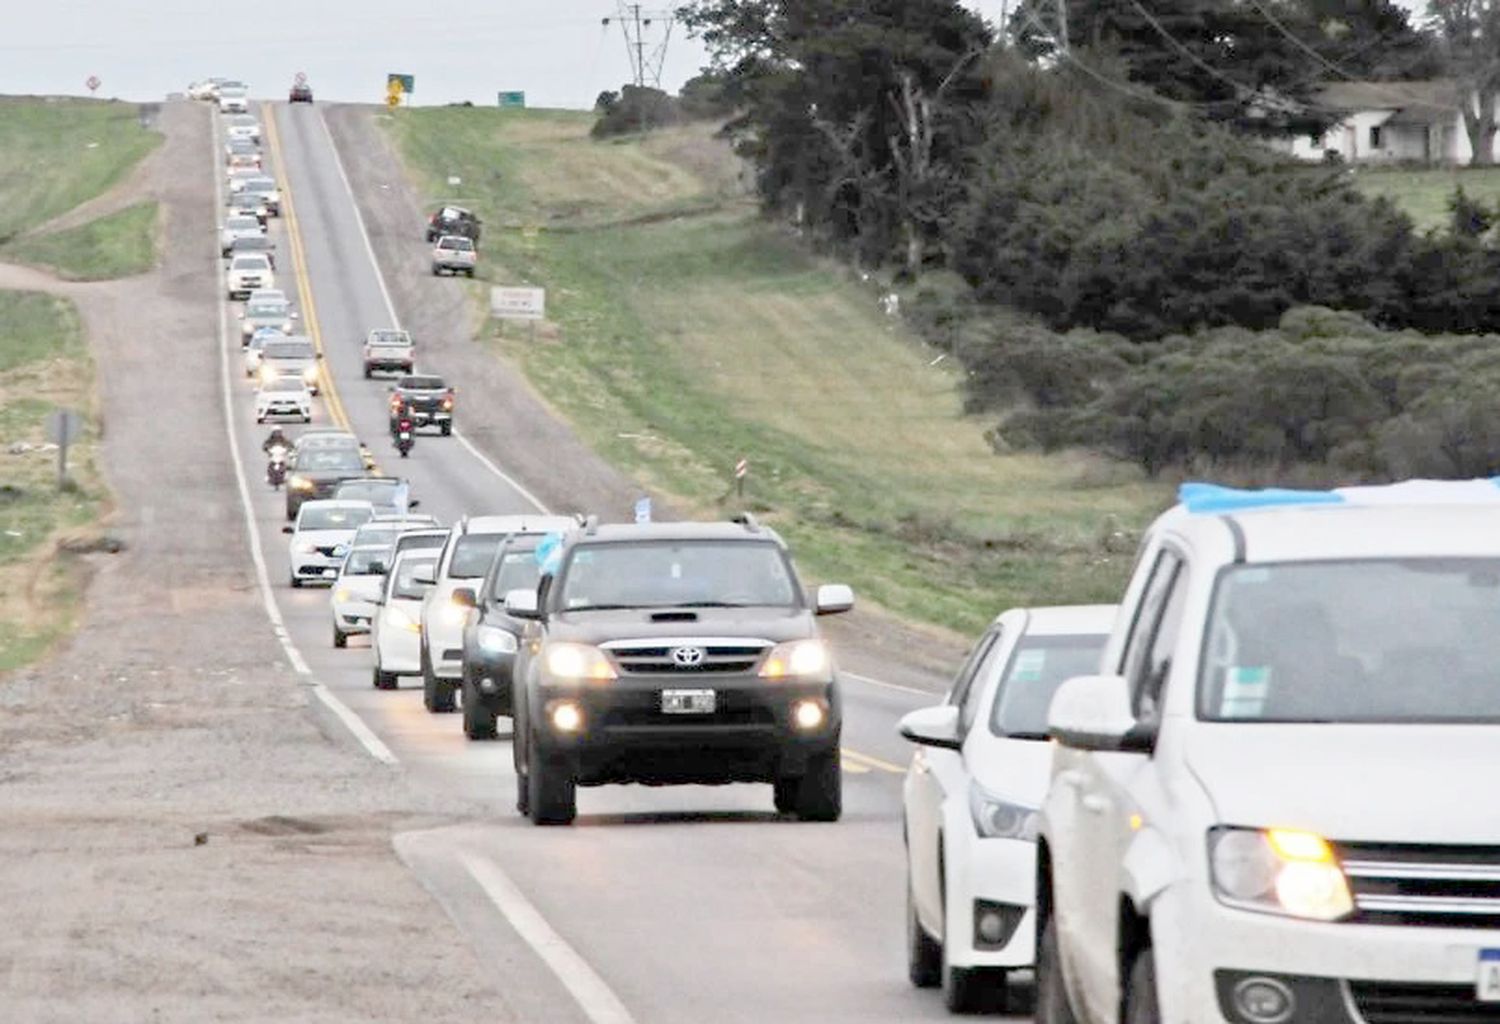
pixel 422 383
pixel 461 244
pixel 289 350
pixel 314 518
pixel 390 338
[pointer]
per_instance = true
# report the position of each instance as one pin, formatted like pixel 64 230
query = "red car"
pixel 301 93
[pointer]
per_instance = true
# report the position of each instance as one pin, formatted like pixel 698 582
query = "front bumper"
pixel 278 410
pixel 986 876
pixel 315 566
pixel 493 676
pixel 1337 973
pixel 627 737
pixel 353 617
pixel 445 640
pixel 398 650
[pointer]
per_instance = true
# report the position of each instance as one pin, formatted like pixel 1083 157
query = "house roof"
pixel 1412 102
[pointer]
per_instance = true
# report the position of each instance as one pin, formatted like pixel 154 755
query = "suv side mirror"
pixel 522 604
pixel 833 598
pixel 464 597
pixel 933 727
pixel 1093 713
pixel 413 503
pixel 288 529
pixel 425 578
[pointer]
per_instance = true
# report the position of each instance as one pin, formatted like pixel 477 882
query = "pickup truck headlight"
pixel 310 374
pixel 997 818
pixel 577 663
pixel 1278 871
pixel 496 641
pixel 300 483
pixel 806 661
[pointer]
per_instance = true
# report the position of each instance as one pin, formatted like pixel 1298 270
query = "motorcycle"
pixel 404 438
pixel 276 467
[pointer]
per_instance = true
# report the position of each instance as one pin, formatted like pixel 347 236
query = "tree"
pixel 1469 31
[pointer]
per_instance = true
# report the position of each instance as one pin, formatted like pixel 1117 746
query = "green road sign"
pixel 408 82
pixel 512 99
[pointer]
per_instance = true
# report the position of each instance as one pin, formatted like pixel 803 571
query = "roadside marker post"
pixel 64 426
pixel 643 510
pixel 741 470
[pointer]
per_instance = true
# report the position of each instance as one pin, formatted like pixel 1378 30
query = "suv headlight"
pixel 577 663
pixel 1279 871
pixel 997 818
pixel 496 641
pixel 806 661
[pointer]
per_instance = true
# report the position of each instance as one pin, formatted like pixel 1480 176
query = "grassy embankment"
pixel 54 156
pixel 1423 193
pixel 688 332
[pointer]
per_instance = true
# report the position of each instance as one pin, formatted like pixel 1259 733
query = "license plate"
pixel 1488 989
pixel 688 702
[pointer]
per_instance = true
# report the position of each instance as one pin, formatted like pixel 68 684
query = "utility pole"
pixel 1062 26
pixel 636 23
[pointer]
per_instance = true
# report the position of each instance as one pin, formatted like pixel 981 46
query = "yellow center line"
pixel 326 382
pixel 868 762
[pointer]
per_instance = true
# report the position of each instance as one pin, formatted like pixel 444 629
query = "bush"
pixel 635 109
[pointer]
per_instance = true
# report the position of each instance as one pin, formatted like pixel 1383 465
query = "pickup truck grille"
pixel 656 657
pixel 1385 1002
pixel 1417 885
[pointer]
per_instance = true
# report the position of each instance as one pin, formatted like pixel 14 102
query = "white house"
pixel 1390 122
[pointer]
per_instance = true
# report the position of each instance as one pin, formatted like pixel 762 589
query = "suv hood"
pixel 1351 783
pixel 773 624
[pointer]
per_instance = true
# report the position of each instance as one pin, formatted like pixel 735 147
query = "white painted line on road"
pixel 352 722
pixel 390 308
pixel 594 996
pixel 891 686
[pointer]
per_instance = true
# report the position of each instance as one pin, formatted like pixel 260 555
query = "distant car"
pixel 253 243
pixel 360 579
pixel 241 126
pixel 205 89
pixel 314 472
pixel 388 349
pixel 264 313
pixel 234 98
pixel 239 225
pixel 427 397
pixel 300 92
pixel 267 295
pixel 454 254
pixel 320 538
pixel 239 177
pixel 387 531
pixel 241 161
pixel 387 495
pixel 282 397
pixel 977 777
pixel 452 220
pixel 396 631
pixel 294 356
pixel 242 147
pixel 245 205
pixel 256 345
pixel 265 187
pixel 249 272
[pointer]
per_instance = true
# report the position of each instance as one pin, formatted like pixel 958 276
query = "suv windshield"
pixel 516 570
pixel 1379 641
pixel 1038 666
pixel 665 574
pixel 333 518
pixel 290 350
pixel 473 555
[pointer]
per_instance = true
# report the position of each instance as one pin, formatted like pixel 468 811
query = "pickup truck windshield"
pixel 668 574
pixel 1369 641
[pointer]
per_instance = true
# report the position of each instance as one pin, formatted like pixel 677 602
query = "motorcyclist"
pixel 277 437
pixel 405 424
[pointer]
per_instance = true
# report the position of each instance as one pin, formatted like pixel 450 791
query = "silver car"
pixel 294 357
pixel 265 313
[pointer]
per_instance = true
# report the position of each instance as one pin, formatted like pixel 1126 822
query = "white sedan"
pixel 282 397
pixel 395 634
pixel 360 580
pixel 979 773
pixel 321 537
pixel 242 126
pixel 236 227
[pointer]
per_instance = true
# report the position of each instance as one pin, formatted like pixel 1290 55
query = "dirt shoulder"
pixel 181 841
pixel 515 424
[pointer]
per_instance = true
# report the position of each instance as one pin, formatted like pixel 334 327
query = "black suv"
pixel 452 220
pixel 491 635
pixel 676 653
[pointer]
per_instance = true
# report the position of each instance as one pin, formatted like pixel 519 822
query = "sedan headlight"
pixel 577 663
pixel 496 641
pixel 306 547
pixel 997 818
pixel 1278 871
pixel 402 619
pixel 807 661
pixel 342 595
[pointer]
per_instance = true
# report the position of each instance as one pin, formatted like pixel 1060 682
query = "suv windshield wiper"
pixel 601 608
pixel 708 604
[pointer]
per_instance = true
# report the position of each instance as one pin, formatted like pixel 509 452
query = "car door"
pixel 1102 826
pixel 932 776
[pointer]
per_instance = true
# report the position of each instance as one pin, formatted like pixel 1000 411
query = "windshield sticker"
pixel 1029 665
pixel 1245 691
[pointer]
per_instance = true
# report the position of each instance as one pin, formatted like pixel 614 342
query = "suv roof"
pixel 514 524
pixel 618 532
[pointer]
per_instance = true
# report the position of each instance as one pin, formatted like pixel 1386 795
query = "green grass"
pixel 57 153
pixel 1423 193
pixel 690 333
pixel 44 364
pixel 121 244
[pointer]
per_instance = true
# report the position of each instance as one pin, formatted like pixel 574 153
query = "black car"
pixel 490 637
pixel 452 220
pixel 427 398
pixel 673 653
pixel 300 92
pixel 315 471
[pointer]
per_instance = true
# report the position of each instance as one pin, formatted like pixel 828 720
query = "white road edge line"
pixel 890 686
pixel 367 739
pixel 594 996
pixel 390 308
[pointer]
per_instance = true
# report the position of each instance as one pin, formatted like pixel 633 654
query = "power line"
pixel 635 23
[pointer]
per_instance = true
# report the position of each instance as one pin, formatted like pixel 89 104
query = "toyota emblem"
pixel 688 657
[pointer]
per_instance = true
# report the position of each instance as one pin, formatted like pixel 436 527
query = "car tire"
pixel 820 790
pixel 447 429
pixel 369 372
pixel 383 680
pixel 784 794
pixel 437 694
pixel 340 638
pixel 306 419
pixel 470 274
pixel 479 720
pixel 551 794
pixel 972 989
pixel 296 583
pixel 1141 1005
pixel 1052 1005
pixel 924 954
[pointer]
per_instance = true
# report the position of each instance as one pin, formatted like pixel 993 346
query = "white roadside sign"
pixel 518 303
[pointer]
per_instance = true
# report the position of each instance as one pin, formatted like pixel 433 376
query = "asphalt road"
pixel 665 905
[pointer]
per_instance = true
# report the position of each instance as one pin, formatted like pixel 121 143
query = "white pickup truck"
pixel 454 254
pixel 389 349
pixel 1270 806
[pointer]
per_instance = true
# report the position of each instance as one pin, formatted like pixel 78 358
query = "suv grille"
pixel 1424 886
pixel 660 657
pixel 1387 1002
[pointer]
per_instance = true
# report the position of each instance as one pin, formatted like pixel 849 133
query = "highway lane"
pixel 689 903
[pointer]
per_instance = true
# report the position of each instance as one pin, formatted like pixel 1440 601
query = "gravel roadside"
pixel 179 839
